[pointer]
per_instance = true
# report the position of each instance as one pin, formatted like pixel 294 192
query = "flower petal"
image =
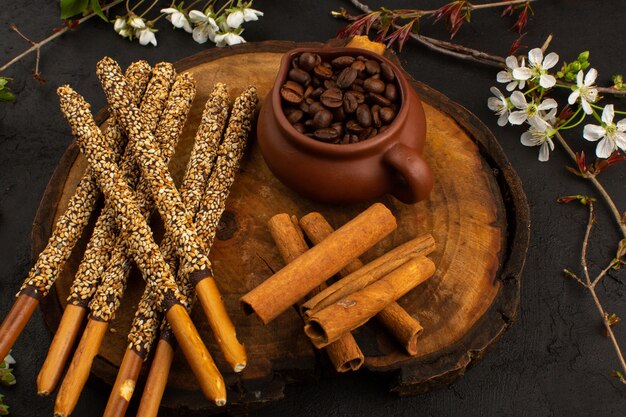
pixel 169 10
pixel 605 148
pixel 593 132
pixel 511 62
pixel 494 103
pixel 496 92
pixel 573 97
pixel 517 117
pixel 197 16
pixel 579 79
pixel 234 19
pixel 586 106
pixel 608 113
pixel 518 100
pixel 547 104
pixel 620 140
pixel 547 81
pixel 503 119
pixel 544 152
pixel 200 34
pixel 591 76
pixel 550 60
pixel 511 86
pixel 504 77
pixel 535 56
pixel 527 139
pixel 621 125
pixel 522 73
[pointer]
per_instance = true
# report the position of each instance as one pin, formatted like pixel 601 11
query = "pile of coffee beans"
pixel 346 100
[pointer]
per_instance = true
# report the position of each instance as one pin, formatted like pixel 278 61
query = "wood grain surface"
pixel 477 214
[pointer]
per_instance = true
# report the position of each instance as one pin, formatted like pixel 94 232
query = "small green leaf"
pixel 583 57
pixel 95 6
pixel 6 95
pixel 71 8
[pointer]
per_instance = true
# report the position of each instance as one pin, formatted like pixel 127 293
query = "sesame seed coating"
pixel 140 241
pixel 147 318
pixel 71 224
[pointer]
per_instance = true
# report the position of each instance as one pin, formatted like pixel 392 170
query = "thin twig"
pixel 603 273
pixel 583 254
pixel 37 45
pixel 468 54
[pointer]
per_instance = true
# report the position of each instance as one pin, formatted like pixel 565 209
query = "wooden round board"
pixel 477 213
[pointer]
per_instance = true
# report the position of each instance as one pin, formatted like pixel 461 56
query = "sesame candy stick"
pixel 147 318
pixel 68 229
pixel 207 219
pixel 141 244
pixel 97 253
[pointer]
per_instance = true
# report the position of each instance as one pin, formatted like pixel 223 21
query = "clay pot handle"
pixel 418 179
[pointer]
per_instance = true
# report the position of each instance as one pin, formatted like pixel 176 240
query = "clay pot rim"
pixel 366 146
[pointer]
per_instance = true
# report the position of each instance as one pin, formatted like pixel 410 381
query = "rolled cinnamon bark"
pixel 298 278
pixel 402 326
pixel 349 313
pixel 141 244
pixel 344 353
pixel 422 245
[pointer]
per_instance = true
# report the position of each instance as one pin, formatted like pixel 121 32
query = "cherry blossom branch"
pixel 36 46
pixel 465 53
pixel 591 287
pixel 597 185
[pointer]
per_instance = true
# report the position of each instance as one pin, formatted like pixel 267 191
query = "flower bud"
pixel 575 66
pixel 583 57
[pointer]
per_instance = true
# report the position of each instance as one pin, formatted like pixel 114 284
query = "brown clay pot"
pixel 390 162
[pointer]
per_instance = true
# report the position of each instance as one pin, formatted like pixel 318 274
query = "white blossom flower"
pixel 242 14
pixel 539 134
pixel 500 105
pixel 137 22
pixel 119 25
pixel 507 76
pixel 178 19
pixel 538 68
pixel 146 36
pixel 613 135
pixel 527 110
pixel 205 26
pixel 126 33
pixel 585 90
pixel 228 39
pixel 9 360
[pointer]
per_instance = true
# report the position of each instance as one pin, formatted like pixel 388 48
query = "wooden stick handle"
pixel 124 385
pixel 60 348
pixel 79 369
pixel 197 355
pixel 15 322
pixel 402 326
pixel 351 312
pixel 223 328
pixel 157 380
pixel 345 353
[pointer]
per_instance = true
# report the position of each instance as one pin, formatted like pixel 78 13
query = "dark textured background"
pixel 554 361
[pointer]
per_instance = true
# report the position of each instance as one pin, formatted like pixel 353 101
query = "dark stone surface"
pixel 554 361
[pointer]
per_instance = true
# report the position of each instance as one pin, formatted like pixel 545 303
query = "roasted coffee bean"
pixel 373 85
pixel 309 101
pixel 299 127
pixel 339 115
pixel 315 82
pixel 383 128
pixel 358 81
pixel 324 71
pixel 358 88
pixel 366 133
pixel 346 77
pixel 304 107
pixel 316 93
pixel 292 92
pixel 381 100
pixel 332 98
pixel 326 135
pixel 342 61
pixel 295 115
pixel 387 72
pixel 391 92
pixel 322 119
pixel 358 66
pixel 346 139
pixel 295 62
pixel 315 107
pixel 307 92
pixel 299 76
pixel 328 84
pixel 372 67
pixel 338 127
pixel 354 139
pixel 387 114
pixel 376 115
pixel 363 115
pixel 360 97
pixel 354 126
pixel 350 102
pixel 308 61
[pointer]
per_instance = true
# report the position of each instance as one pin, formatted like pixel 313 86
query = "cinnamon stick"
pixel 402 326
pixel 421 245
pixel 327 325
pixel 344 353
pixel 294 281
